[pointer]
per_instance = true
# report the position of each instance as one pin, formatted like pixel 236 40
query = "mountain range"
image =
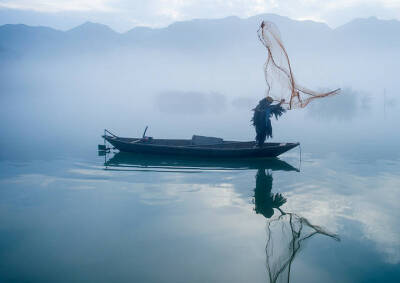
pixel 222 55
pixel 202 34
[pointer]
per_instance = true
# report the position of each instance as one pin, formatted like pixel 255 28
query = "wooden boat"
pixel 125 160
pixel 198 146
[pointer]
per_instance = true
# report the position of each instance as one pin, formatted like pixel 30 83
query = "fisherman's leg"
pixel 268 128
pixel 261 136
pixel 262 139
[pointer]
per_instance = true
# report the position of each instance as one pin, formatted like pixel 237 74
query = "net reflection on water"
pixel 285 236
pixel 286 233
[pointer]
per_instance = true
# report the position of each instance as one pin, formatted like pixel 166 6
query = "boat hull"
pixel 228 149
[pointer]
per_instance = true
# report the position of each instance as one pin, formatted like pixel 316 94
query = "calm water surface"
pixel 124 218
pixel 69 215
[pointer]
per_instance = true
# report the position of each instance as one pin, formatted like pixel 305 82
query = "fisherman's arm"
pixel 277 106
pixel 277 110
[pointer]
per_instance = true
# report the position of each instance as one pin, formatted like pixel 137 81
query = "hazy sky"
pixel 122 15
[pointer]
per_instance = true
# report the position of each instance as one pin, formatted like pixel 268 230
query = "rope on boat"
pixel 102 148
pixel 107 131
pixel 300 156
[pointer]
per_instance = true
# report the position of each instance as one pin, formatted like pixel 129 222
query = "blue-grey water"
pixel 327 213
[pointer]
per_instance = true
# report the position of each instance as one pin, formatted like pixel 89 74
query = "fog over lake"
pixel 66 211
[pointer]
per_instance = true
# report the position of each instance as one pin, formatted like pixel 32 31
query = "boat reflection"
pixel 122 161
pixel 286 231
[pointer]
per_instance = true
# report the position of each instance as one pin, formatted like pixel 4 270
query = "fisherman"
pixel 261 118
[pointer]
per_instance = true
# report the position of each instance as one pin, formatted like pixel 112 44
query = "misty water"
pixel 326 212
pixel 69 215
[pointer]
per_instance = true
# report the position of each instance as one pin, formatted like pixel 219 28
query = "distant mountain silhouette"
pixel 90 36
pixel 225 53
pixel 371 33
pixel 23 39
pixel 92 28
pixel 219 33
pixel 203 34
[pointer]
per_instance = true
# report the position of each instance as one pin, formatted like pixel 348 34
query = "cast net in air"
pixel 278 72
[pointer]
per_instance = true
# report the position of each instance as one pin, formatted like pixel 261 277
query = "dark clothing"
pixel 263 126
pixel 261 119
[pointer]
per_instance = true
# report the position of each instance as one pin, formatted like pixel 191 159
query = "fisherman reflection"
pixel 264 200
pixel 286 231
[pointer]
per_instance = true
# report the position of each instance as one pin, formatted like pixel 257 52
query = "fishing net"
pixel 286 234
pixel 278 72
